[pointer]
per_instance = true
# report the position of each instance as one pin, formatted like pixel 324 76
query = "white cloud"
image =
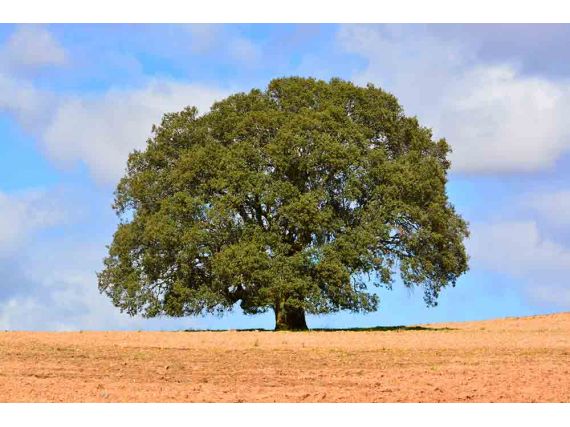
pixel 101 131
pixel 66 298
pixel 30 47
pixel 23 214
pixel 517 248
pixel 61 299
pixel 27 48
pixel 48 282
pixel 500 121
pixel 27 103
pixel 553 207
pixel 496 119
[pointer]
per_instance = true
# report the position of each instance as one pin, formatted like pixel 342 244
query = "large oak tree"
pixel 298 199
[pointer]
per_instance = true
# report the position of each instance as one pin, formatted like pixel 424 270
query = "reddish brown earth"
pixel 505 360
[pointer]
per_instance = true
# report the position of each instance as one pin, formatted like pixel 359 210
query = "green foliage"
pixel 301 196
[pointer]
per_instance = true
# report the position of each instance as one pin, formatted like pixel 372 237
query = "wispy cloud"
pixel 31 47
pixel 24 213
pixel 552 206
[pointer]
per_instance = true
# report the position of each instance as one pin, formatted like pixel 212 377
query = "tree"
pixel 300 199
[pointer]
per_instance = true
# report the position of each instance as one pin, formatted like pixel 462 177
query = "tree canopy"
pixel 301 198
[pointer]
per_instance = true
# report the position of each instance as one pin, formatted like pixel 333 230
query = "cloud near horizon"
pixel 519 249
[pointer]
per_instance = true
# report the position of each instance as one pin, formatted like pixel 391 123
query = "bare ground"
pixel 504 360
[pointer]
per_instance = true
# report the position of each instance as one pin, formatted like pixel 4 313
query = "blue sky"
pixel 76 99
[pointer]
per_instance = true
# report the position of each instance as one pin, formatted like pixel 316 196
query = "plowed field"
pixel 504 360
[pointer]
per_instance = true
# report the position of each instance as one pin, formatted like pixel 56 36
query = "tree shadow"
pixel 382 328
pixel 362 329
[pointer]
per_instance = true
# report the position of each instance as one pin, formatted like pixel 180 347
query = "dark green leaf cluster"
pixel 305 194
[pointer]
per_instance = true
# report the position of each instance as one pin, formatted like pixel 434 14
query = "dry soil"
pixel 504 360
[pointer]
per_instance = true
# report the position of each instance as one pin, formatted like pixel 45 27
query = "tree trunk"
pixel 289 318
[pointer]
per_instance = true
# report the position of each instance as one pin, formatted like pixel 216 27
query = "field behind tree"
pixel 503 360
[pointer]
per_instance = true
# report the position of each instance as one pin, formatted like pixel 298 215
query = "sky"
pixel 76 99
